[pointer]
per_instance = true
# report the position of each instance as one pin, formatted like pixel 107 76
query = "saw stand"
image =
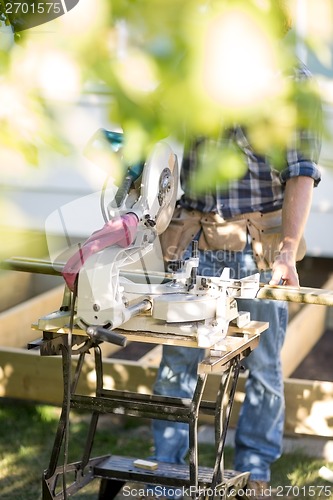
pixel 63 481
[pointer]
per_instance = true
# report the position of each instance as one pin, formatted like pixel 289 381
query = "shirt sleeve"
pixel 303 161
pixel 302 156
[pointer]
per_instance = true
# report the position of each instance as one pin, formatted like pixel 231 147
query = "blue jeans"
pixel 259 432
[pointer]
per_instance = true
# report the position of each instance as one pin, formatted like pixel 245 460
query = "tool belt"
pixel 216 233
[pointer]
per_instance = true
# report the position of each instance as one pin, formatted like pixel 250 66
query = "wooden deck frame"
pixel 26 375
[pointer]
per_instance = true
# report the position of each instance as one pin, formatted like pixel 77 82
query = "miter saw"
pixel 180 303
pixel 107 298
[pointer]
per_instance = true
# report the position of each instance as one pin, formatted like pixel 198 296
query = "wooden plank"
pixel 15 323
pixel 304 331
pixel 153 357
pixel 302 295
pixel 309 405
pixel 27 375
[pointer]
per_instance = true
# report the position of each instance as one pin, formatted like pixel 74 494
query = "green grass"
pixel 27 433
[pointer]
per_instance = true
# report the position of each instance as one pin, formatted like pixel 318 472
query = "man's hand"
pixel 284 271
pixel 295 211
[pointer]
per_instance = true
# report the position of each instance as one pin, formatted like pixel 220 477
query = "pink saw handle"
pixel 118 231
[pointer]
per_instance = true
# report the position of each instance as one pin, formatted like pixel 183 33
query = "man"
pixel 255 225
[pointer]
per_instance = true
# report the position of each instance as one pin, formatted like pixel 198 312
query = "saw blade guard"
pixel 159 187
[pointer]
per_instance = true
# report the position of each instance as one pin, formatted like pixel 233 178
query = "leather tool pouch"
pixel 219 234
pixel 265 231
pixel 229 235
pixel 184 226
pixel 215 233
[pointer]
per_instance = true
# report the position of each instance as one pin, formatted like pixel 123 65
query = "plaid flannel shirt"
pixel 262 187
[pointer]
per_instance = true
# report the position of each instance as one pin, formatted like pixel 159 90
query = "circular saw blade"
pixel 159 187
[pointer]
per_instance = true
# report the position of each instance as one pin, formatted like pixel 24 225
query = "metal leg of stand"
pixel 63 417
pixel 95 414
pixel 219 425
pixel 233 378
pixel 54 478
pixel 193 432
pixel 109 488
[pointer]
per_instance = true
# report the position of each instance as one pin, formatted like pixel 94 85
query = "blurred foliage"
pixel 212 161
pixel 169 67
